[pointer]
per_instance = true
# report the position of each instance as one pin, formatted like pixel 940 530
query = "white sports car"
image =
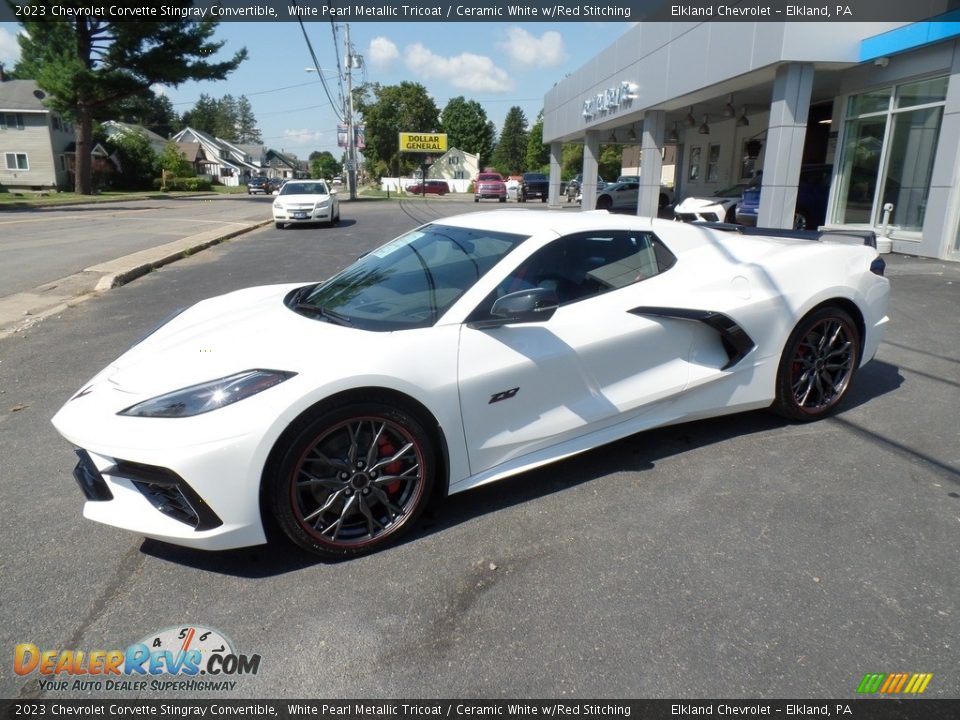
pixel 465 351
pixel 305 201
pixel 721 207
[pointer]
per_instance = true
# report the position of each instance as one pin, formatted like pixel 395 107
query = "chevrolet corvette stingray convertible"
pixel 468 350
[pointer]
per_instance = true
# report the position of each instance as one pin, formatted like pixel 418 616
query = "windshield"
pixel 409 282
pixel 488 176
pixel 317 188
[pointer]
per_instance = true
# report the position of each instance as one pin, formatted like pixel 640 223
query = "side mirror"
pixel 523 306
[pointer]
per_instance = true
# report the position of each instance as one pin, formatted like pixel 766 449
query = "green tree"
pixel 172 161
pixel 203 115
pixel 467 127
pixel 247 130
pixel 324 165
pixel 88 64
pixel 538 154
pixel 609 161
pixel 138 163
pixel 511 153
pixel 152 111
pixel 387 111
pixel 571 160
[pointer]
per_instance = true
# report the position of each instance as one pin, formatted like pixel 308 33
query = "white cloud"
pixel 9 48
pixel 526 49
pixel 303 136
pixel 466 70
pixel 382 51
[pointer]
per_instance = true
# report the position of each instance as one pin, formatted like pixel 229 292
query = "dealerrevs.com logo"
pixel 894 683
pixel 182 658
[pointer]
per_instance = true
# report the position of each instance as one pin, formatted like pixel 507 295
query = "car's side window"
pixel 588 264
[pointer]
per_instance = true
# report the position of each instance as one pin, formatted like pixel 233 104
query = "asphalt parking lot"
pixel 738 557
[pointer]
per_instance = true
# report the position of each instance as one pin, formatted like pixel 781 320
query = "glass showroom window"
pixel 889 146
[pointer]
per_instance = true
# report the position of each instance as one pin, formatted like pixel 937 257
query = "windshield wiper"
pixel 328 315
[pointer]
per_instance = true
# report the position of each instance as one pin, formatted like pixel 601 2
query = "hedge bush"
pixel 192 184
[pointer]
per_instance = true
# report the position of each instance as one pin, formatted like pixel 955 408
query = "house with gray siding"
pixel 33 138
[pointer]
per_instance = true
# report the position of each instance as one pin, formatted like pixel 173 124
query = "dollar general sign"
pixel 423 142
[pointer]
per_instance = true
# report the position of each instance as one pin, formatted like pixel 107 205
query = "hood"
pixel 244 330
pixel 694 204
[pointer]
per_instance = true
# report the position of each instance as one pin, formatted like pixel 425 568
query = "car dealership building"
pixel 876 104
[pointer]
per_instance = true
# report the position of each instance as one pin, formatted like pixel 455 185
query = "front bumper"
pixel 188 481
pixel 311 215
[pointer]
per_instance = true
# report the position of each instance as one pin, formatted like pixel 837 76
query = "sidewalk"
pixel 22 310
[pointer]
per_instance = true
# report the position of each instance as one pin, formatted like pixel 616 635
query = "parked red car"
pixel 439 187
pixel 489 185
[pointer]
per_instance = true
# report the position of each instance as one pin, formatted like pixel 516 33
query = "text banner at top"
pixel 483 10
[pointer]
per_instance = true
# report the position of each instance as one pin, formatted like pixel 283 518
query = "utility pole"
pixel 348 111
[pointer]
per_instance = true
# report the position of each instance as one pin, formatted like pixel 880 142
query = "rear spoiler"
pixel 843 237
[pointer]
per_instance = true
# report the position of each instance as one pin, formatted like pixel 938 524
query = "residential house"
pixel 457 167
pixel 33 138
pixel 222 161
pixel 113 128
pixel 283 166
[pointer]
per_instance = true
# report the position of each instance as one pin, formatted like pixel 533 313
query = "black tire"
pixel 604 202
pixel 818 364
pixel 280 226
pixel 664 200
pixel 800 221
pixel 330 492
pixel 543 198
pixel 476 199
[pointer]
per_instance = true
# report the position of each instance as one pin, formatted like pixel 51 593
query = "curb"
pixel 21 311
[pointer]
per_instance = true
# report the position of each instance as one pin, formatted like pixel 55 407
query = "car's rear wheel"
pixel 354 480
pixel 818 364
pixel 503 199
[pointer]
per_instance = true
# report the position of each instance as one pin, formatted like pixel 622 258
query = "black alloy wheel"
pixel 818 365
pixel 355 479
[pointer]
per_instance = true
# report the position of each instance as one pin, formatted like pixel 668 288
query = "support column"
pixel 591 166
pixel 651 163
pixel 789 108
pixel 556 148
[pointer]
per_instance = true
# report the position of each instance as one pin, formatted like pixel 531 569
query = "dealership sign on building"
pixel 423 142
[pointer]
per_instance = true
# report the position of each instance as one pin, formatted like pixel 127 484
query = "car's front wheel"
pixel 818 364
pixel 354 479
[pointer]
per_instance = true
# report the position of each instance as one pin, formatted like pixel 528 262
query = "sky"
pixel 498 64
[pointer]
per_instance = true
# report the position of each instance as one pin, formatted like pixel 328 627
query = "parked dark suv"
pixel 813 189
pixel 534 185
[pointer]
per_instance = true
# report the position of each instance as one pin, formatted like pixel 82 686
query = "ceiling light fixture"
pixel 705 128
pixel 743 120
pixel 674 136
pixel 691 120
pixel 728 110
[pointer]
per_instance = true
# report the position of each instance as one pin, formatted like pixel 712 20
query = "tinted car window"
pixel 589 264
pixel 411 281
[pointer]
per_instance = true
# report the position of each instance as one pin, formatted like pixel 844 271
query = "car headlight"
pixel 212 395
pixel 278 206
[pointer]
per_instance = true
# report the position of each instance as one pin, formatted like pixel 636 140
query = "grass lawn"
pixel 17 199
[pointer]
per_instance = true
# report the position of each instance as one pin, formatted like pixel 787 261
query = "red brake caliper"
pixel 387 449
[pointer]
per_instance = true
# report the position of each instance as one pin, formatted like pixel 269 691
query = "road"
pixel 738 557
pixel 39 246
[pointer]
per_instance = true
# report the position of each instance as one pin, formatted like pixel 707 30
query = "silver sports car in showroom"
pixel 467 350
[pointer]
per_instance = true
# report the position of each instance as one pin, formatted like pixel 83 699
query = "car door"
pixel 525 387
pixel 625 196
